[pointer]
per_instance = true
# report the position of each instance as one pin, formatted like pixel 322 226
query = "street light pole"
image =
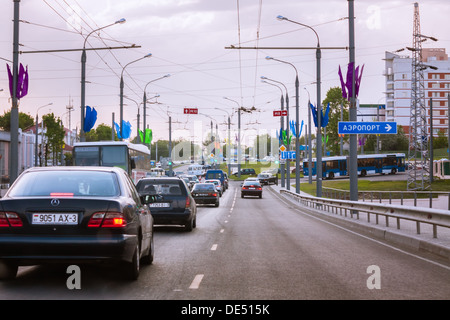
pixel 14 131
pixel 288 176
pixel 121 93
pixel 145 101
pixel 309 140
pixel 239 136
pixel 37 133
pixel 319 110
pixel 83 76
pixel 297 120
pixel 282 168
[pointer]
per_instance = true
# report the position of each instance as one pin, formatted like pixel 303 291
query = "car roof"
pixel 75 168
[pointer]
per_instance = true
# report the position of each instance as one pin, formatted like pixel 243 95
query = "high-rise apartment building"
pixel 398 70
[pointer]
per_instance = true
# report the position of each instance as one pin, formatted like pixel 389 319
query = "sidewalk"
pixel 405 236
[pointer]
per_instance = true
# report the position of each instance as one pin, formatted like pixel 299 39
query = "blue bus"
pixel 367 164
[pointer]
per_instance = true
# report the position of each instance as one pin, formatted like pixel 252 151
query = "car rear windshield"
pixel 66 183
pixel 251 183
pixel 204 187
pixel 164 187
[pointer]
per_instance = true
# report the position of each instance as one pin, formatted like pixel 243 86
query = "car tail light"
pixel 212 194
pixel 188 203
pixel 10 219
pixel 107 220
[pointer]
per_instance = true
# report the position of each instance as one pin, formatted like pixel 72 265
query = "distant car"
pixel 218 185
pixel 173 204
pixel 225 180
pixel 251 188
pixel 205 193
pixel 66 214
pixel 272 171
pixel 246 172
pixel 266 178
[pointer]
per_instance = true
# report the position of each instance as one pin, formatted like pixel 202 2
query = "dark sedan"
pixel 74 214
pixel 251 188
pixel 206 193
pixel 267 178
pixel 174 204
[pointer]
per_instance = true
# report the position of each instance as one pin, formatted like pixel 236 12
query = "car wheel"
pixel 242 196
pixel 189 225
pixel 260 196
pixel 216 204
pixel 148 259
pixel 8 271
pixel 131 269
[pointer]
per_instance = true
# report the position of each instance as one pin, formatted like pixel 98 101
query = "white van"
pixel 196 169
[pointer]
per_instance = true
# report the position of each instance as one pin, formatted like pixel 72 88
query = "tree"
pixel 389 142
pixel 55 136
pixel 101 133
pixel 25 120
pixel 334 97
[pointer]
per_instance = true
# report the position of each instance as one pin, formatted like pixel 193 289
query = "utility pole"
pixel 353 157
pixel 14 150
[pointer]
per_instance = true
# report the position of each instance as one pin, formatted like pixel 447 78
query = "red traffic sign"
pixel 190 111
pixel 279 113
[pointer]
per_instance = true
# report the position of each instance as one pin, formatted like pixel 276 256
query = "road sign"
pixel 289 155
pixel 349 127
pixel 282 148
pixel 279 113
pixel 190 111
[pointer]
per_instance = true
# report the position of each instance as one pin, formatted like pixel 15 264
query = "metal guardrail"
pixel 434 217
pixel 387 195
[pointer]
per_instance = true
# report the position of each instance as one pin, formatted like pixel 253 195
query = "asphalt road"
pixel 252 249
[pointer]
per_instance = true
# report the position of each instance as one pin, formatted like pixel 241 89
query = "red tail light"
pixel 10 219
pixel 107 220
pixel 212 194
pixel 188 203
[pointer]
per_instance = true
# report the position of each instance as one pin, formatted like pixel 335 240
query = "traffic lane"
pixel 178 254
pixel 269 250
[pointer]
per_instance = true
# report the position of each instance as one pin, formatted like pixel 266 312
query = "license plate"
pixel 252 188
pixel 159 205
pixel 55 218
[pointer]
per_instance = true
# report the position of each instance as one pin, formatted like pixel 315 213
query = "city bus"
pixel 133 158
pixel 367 164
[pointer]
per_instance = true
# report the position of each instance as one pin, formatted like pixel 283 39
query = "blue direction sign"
pixel 287 155
pixel 349 127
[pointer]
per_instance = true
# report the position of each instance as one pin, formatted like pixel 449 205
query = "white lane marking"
pixel 222 230
pixel 214 247
pixel 196 282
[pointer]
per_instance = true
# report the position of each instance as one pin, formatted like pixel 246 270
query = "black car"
pixel 251 188
pixel 267 178
pixel 173 205
pixel 206 193
pixel 74 214
pixel 246 172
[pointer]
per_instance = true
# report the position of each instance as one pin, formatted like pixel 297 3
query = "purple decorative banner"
pixel 22 82
pixel 347 85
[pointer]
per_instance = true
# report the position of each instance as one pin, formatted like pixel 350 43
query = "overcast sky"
pixel 187 39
